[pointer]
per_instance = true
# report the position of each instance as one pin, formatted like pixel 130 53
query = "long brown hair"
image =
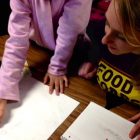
pixel 129 11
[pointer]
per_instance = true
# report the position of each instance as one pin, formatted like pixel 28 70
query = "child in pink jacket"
pixel 54 24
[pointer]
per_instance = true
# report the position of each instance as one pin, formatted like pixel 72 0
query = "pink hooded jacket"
pixel 54 24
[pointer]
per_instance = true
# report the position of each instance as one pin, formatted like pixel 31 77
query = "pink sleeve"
pixel 72 22
pixel 15 50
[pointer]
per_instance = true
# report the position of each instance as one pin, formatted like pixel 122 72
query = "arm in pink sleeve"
pixel 73 21
pixel 15 50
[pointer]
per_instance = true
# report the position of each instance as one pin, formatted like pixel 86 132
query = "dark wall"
pixel 4 15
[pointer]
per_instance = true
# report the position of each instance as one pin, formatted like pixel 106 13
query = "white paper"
pixel 38 113
pixel 97 123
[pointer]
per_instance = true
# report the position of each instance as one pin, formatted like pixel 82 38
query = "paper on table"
pixel 97 123
pixel 38 113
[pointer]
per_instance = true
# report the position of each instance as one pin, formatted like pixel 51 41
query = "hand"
pixel 2 108
pixel 56 82
pixel 87 70
pixel 135 131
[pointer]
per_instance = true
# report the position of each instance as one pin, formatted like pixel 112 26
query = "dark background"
pixel 4 15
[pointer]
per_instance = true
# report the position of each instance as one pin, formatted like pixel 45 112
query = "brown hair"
pixel 129 11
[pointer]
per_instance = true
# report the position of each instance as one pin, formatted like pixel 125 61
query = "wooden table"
pixel 79 89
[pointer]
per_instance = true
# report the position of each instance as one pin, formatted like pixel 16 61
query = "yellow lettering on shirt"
pixel 112 80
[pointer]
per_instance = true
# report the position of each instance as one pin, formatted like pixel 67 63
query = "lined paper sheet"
pixel 38 113
pixel 97 123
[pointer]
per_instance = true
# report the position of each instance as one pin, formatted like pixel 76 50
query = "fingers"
pixel 51 86
pixel 61 86
pixel 57 87
pixel 2 108
pixel 57 83
pixel 46 79
pixel 84 70
pixel 1 115
pixel 87 70
pixel 135 131
pixel 54 84
pixel 135 118
pixel 91 74
pixel 66 81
